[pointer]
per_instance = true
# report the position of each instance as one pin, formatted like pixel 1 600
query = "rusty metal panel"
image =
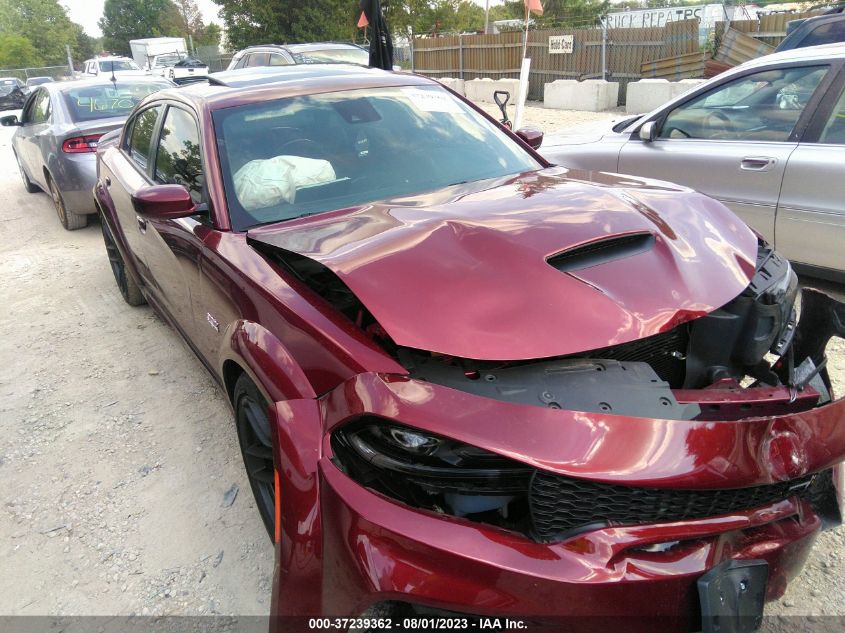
pixel 686 66
pixel 737 47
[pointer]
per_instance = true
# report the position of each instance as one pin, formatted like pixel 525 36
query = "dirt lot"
pixel 118 455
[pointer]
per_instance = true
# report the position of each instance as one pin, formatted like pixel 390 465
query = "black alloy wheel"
pixel 256 440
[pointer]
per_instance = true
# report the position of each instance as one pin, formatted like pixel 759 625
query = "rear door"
pixel 733 141
pixel 811 211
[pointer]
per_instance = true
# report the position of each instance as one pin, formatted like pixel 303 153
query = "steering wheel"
pixel 304 147
pixel 720 123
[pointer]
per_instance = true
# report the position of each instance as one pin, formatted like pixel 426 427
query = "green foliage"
pixel 86 46
pixel 16 51
pixel 558 12
pixel 125 20
pixel 429 16
pixel 44 23
pixel 284 21
pixel 209 35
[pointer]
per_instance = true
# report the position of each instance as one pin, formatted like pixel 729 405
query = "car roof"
pixel 108 58
pixel 809 53
pixel 236 87
pixel 301 48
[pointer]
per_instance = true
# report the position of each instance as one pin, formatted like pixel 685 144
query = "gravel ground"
pixel 123 489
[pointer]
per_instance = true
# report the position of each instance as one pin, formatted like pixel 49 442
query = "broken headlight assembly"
pixel 433 472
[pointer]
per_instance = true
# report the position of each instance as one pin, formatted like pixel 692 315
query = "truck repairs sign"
pixel 706 14
pixel 561 44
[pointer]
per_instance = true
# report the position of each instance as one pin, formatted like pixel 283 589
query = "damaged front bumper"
pixel 672 498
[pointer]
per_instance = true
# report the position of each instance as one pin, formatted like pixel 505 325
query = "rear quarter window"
pixel 86 103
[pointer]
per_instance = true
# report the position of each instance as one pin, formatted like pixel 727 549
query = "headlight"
pixel 432 472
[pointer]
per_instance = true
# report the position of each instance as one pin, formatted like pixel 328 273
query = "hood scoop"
pixel 602 251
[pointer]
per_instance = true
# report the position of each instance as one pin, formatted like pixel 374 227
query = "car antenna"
pixel 113 78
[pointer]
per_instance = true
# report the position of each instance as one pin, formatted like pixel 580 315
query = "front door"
pixel 732 142
pixel 172 248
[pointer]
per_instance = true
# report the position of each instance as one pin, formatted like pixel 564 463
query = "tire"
pixel 256 441
pixel 128 288
pixel 27 183
pixel 70 220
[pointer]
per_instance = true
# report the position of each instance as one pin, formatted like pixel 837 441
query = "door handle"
pixel 108 181
pixel 142 223
pixel 757 163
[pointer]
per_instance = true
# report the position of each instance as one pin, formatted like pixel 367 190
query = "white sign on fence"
pixel 561 44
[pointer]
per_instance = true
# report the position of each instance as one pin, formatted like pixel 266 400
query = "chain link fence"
pixel 595 52
pixel 57 73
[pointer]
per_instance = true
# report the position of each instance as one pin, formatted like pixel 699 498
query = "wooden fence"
pixel 498 56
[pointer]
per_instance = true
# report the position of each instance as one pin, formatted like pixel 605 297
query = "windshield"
pixel 119 64
pixel 333 56
pixel 112 99
pixel 167 60
pixel 303 155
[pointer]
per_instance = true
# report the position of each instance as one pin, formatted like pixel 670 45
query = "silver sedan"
pixel 766 138
pixel 57 136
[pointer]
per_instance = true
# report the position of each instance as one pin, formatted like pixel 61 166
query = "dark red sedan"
pixel 470 386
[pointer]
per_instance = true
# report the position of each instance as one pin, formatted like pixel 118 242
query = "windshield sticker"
pixel 432 100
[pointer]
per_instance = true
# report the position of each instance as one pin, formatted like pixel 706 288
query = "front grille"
pixel 664 352
pixel 561 505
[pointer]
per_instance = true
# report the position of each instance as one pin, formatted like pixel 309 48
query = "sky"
pixel 88 12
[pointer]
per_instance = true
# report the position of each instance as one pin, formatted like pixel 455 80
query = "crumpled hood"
pixel 463 271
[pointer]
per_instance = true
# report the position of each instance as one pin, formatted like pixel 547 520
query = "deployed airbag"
pixel 267 182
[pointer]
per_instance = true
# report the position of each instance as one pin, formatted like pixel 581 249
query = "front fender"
pixel 266 360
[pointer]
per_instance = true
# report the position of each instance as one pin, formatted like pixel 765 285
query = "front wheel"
pixel 256 440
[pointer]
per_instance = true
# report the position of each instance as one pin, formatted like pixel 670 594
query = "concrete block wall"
pixel 592 95
pixel 646 95
pixel 483 89
pixel 455 84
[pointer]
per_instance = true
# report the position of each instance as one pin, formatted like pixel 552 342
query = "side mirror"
pixel 648 131
pixel 164 202
pixel 10 120
pixel 531 135
pixel 397 68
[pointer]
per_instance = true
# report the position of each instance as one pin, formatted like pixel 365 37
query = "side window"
pixel 763 106
pixel 40 111
pixel 241 62
pixel 258 59
pixel 834 129
pixel 277 59
pixel 825 34
pixel 178 160
pixel 140 139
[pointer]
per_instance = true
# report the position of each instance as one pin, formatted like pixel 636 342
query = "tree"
pixel 282 21
pixel 558 12
pixel 125 20
pixel 86 46
pixel 16 51
pixel 429 16
pixel 209 35
pixel 44 23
